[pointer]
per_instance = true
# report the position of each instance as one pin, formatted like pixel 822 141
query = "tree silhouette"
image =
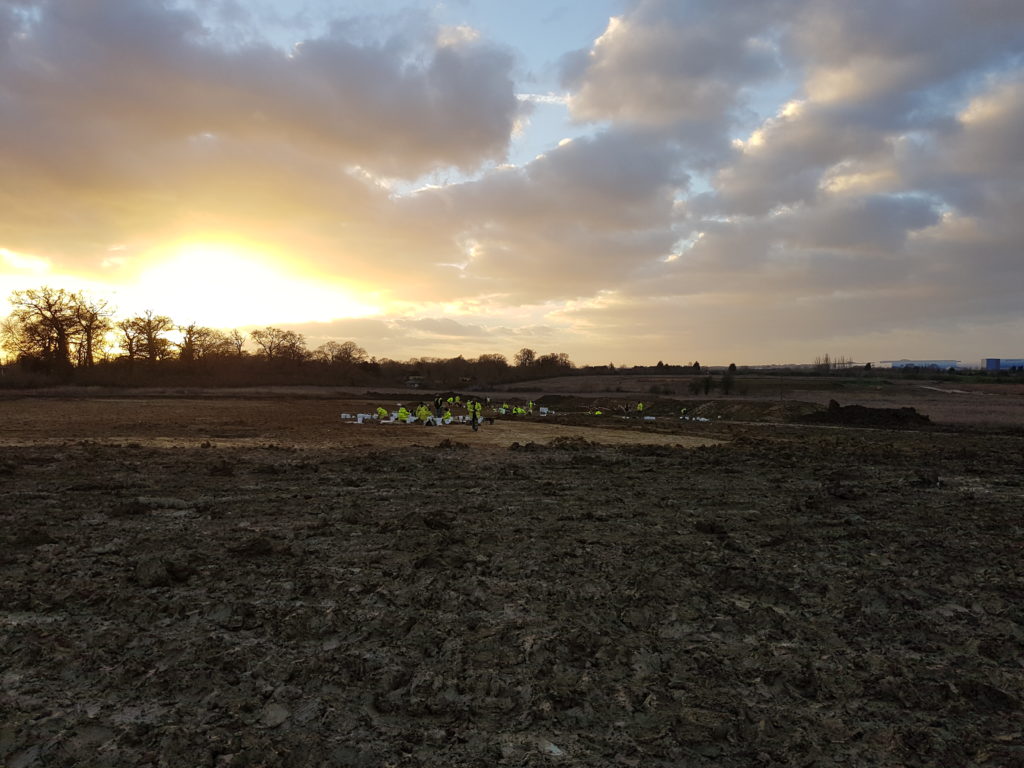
pixel 277 344
pixel 237 340
pixel 200 343
pixel 131 337
pixel 143 336
pixel 44 325
pixel 94 324
pixel 525 357
pixel 345 354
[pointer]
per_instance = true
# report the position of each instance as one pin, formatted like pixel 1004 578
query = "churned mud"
pixel 254 583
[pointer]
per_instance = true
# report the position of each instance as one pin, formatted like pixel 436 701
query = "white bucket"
pixel 346 415
pixel 543 411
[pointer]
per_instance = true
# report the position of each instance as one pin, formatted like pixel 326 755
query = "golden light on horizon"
pixel 223 284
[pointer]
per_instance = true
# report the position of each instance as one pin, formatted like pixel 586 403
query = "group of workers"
pixel 442 411
pixel 444 407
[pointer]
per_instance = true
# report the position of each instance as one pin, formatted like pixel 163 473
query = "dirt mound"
pixel 567 443
pixel 571 444
pixel 767 411
pixel 561 402
pixel 863 416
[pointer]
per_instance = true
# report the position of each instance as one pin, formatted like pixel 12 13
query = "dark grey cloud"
pixel 588 213
pixel 393 107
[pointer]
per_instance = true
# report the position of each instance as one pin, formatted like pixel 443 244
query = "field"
pixel 238 578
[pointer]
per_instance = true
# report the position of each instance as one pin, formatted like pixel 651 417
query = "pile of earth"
pixel 767 411
pixel 862 416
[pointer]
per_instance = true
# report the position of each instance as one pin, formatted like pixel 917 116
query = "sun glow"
pixel 227 285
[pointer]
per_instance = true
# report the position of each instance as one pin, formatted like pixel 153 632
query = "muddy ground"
pixel 198 581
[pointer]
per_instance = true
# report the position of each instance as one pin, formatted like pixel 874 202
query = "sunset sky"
pixel 749 181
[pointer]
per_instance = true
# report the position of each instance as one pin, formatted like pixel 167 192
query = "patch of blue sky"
pixel 539 31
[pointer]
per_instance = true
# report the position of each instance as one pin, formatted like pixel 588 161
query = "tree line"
pixel 68 336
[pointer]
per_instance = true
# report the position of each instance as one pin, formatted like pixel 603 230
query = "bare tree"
pixel 131 338
pixel 491 367
pixel 43 324
pixel 95 323
pixel 26 339
pixel 554 361
pixel 278 344
pixel 237 340
pixel 187 345
pixel 525 357
pixel 155 346
pixel 346 353
pixel 200 343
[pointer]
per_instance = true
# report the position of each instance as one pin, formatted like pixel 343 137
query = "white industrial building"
pixel 939 365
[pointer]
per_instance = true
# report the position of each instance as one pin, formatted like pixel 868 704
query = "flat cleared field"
pixel 241 579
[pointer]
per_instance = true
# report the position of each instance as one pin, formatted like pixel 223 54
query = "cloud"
pixel 883 197
pixel 397 107
pixel 680 67
pixel 871 73
pixel 589 212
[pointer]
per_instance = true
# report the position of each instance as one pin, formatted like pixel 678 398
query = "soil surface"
pixel 251 581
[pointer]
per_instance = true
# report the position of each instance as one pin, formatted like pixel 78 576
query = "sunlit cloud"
pixel 221 285
pixel 24 264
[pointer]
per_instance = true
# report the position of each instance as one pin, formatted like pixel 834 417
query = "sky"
pixel 625 181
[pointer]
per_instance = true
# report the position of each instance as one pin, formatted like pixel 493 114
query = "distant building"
pixel 1003 363
pixel 939 365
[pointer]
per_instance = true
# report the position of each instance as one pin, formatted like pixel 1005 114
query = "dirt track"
pixel 184 422
pixel 245 583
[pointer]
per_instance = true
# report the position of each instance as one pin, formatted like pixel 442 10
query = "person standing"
pixel 474 413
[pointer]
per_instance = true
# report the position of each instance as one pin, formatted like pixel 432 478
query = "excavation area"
pixel 229 579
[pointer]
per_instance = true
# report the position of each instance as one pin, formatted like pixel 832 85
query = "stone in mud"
pixel 152 572
pixel 274 714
